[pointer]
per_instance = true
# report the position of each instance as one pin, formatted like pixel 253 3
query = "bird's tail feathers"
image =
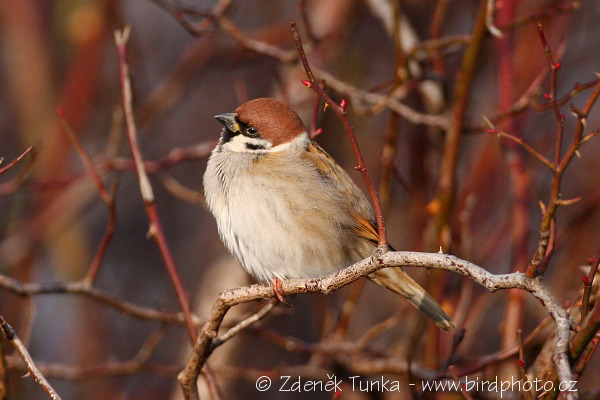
pixel 398 281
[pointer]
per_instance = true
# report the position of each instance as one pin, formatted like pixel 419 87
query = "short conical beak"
pixel 228 119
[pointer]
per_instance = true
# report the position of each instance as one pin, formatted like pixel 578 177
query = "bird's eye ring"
pixel 252 131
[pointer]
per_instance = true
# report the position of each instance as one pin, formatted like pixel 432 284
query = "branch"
pixel 447 179
pixel 108 198
pixel 340 110
pixel 543 159
pixel 82 288
pixel 11 335
pixel 245 323
pixel 361 96
pixel 380 259
pixel 358 96
pixel 541 257
pixel 15 161
pixel 155 228
pixel 588 282
pixel 554 67
pixel 138 363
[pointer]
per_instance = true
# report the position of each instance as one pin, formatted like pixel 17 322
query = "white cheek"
pixel 239 144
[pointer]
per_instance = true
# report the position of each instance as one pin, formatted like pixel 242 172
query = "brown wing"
pixel 361 209
pixel 364 226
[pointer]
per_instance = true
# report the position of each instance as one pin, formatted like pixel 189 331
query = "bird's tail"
pixel 398 281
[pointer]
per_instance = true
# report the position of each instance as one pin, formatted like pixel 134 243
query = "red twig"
pixel 560 119
pixel 588 284
pixel 155 229
pixel 437 21
pixel 543 159
pixel 340 110
pixel 313 131
pixel 107 197
pixel 15 161
pixel 541 257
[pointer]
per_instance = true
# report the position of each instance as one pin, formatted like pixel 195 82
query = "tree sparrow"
pixel 286 209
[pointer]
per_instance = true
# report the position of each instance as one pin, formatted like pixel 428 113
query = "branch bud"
pixel 586 280
pixel 343 104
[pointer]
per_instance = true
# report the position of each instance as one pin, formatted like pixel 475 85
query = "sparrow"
pixel 286 209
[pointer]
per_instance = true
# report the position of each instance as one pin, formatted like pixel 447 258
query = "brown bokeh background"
pixel 61 54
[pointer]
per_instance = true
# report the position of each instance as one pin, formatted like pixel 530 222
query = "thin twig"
pixel 138 363
pixel 588 284
pixel 11 335
pixel 155 229
pixel 559 118
pixel 108 198
pixel 464 392
pixel 15 161
pixel 505 354
pixel 82 288
pixel 340 110
pixel 540 157
pixel 489 20
pixel 245 323
pixel 379 101
pixel 540 259
pixel 447 178
pixel 313 131
pixel 377 330
pixel 541 14
pixel 521 363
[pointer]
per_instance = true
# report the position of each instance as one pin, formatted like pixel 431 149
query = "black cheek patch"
pixel 252 146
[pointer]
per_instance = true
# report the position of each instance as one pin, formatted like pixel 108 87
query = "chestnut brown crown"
pixel 274 120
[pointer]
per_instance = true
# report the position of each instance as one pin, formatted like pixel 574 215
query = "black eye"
pixel 252 131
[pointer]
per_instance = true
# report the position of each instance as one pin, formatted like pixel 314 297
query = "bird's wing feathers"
pixel 364 226
pixel 361 211
pixel 366 229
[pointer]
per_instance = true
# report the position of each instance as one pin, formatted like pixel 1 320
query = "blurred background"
pixel 186 68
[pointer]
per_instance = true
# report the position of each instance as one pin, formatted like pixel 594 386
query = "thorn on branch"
pixel 589 136
pixel 576 111
pixel 568 202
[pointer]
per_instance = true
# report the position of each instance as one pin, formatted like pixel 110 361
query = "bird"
pixel 286 209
